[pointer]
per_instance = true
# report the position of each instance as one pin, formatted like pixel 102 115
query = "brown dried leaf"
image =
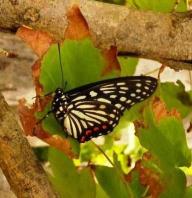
pixel 79 29
pixel 147 177
pixel 38 40
pixel 31 128
pixel 61 144
pixel 35 74
pixel 77 26
pixel 160 110
pixel 110 57
pixel 27 117
pixel 161 70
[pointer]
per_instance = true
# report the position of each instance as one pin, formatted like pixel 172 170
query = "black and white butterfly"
pixel 95 109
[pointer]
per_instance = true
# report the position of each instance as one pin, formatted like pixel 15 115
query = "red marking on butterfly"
pixel 88 132
pixel 104 126
pixel 82 140
pixel 96 129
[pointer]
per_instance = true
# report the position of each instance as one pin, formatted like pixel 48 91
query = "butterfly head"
pixel 58 104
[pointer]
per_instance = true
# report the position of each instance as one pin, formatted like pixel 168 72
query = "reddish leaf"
pixel 27 117
pixel 30 127
pixel 78 29
pixel 38 40
pixel 77 26
pixel 160 110
pixel 111 60
pixel 35 75
pixel 161 70
pixel 148 177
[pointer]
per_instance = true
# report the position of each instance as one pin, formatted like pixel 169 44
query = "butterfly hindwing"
pixel 88 119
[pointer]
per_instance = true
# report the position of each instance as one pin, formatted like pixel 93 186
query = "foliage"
pixel 68 181
pixel 164 138
pixel 149 159
pixel 161 5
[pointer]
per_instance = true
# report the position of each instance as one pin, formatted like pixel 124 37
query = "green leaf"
pixel 137 188
pixel 67 180
pixel 175 184
pixel 188 192
pixel 182 6
pixel 166 140
pixel 128 65
pixel 113 182
pixel 100 193
pixel 82 63
pixel 175 96
pixel 156 5
pixel 41 153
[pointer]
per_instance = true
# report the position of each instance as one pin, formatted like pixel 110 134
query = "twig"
pixel 166 37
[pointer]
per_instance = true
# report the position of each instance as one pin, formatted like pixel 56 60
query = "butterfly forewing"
pixel 121 92
pixel 88 119
pixel 95 109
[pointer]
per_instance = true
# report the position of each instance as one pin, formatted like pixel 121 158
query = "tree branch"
pixel 166 37
pixel 20 166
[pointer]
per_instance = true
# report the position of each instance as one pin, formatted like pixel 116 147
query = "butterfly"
pixel 95 109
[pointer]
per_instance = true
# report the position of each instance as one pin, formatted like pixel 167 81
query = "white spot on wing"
pixel 61 108
pixel 113 96
pixel 123 92
pixel 86 106
pixel 138 85
pixel 118 105
pixel 107 88
pixel 112 115
pixel 120 83
pixel 123 99
pixel 102 106
pixel 106 92
pixel 70 106
pixel 124 88
pixel 133 94
pixel 79 98
pixel 122 108
pixel 104 100
pixel 93 93
pixel 109 85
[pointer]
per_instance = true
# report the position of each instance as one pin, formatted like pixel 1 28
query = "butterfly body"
pixel 95 109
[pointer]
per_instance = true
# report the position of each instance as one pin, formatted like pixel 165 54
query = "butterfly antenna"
pixel 61 66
